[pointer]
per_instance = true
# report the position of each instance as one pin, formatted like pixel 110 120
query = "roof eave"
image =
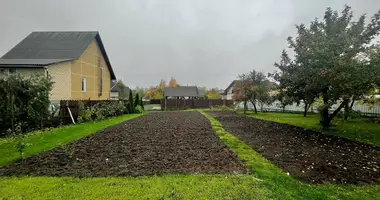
pixel 106 59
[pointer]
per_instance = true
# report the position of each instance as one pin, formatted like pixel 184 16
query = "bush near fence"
pixel 86 110
pixel 24 103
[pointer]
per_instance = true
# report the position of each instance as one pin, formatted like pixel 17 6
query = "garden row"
pixel 167 142
pixel 309 156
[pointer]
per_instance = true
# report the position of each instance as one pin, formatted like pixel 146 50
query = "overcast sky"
pixel 199 42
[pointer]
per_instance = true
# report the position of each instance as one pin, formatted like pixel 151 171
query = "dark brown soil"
pixel 161 142
pixel 306 155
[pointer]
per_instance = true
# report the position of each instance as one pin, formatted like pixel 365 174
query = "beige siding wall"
pixel 89 66
pixel 60 74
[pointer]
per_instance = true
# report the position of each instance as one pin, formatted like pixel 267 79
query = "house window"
pixel 83 84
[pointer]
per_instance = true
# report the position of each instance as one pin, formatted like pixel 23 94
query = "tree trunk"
pixel 346 111
pixel 325 112
pixel 261 107
pixel 254 106
pixel 352 102
pixel 245 105
pixel 305 109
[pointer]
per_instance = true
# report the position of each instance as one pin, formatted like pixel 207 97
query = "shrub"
pixel 100 111
pixel 85 114
pixel 142 103
pixel 139 109
pixel 24 101
pixel 222 108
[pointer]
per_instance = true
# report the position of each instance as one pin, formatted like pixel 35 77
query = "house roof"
pixel 201 93
pixel 232 84
pixel 115 87
pixel 181 91
pixel 46 48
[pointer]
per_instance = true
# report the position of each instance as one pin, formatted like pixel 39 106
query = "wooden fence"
pixel 193 103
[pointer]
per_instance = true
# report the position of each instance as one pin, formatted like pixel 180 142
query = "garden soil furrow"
pixel 309 156
pixel 157 143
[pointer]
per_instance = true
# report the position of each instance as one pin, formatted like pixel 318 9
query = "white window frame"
pixel 84 84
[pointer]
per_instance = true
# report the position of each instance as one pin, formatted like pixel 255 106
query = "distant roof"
pixel 181 91
pixel 116 88
pixel 232 84
pixel 46 48
pixel 201 93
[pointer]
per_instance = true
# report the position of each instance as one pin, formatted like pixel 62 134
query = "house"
pixel 182 92
pixel 229 91
pixel 116 90
pixel 76 61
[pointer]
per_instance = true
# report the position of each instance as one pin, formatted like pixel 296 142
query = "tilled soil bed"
pixel 165 142
pixel 309 156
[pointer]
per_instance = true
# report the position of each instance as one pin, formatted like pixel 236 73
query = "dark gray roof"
pixel 181 91
pixel 45 48
pixel 115 87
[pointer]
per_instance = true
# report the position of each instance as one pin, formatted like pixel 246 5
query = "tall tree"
pixel 131 108
pixel 137 99
pixel 213 93
pixel 327 60
pixel 173 83
pixel 254 87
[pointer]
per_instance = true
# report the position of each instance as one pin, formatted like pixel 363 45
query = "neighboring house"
pixel 76 61
pixel 229 91
pixel 115 91
pixel 182 92
pixel 201 93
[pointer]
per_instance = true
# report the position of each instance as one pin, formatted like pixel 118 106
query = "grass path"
pixel 43 141
pixel 354 129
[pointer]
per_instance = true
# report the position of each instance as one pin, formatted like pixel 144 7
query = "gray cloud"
pixel 201 42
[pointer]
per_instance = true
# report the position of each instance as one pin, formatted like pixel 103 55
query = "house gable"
pixel 92 67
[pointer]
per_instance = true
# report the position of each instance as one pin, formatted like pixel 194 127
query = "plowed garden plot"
pixel 168 142
pixel 309 156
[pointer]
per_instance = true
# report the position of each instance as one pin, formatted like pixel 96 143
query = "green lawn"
pixel 42 141
pixel 266 182
pixel 354 129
